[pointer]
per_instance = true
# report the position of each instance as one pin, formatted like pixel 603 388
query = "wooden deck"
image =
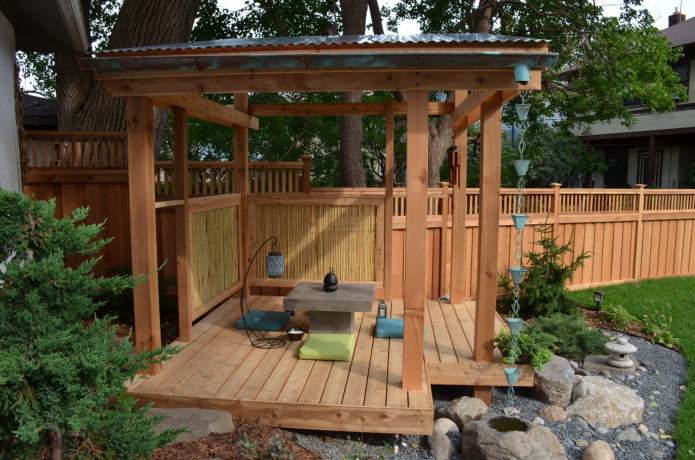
pixel 221 370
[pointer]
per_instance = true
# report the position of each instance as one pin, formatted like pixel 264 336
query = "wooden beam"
pixel 362 108
pixel 241 182
pixel 424 80
pixel 415 238
pixel 143 227
pixel 388 200
pixel 468 111
pixel 458 218
pixel 182 187
pixel 205 109
pixel 488 234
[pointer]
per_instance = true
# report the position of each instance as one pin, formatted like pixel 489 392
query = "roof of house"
pixel 49 25
pixel 681 34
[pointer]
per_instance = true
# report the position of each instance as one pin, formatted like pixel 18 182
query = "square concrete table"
pixel 331 312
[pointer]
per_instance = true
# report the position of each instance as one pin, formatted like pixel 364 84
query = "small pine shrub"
pixel 574 339
pixel 63 373
pixel 543 290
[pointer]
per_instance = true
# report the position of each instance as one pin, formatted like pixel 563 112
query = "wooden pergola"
pixel 480 69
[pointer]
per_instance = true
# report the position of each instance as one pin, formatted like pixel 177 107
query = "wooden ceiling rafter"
pixel 206 109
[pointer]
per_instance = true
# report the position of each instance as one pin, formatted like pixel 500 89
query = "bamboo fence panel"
pixel 214 254
pixel 315 238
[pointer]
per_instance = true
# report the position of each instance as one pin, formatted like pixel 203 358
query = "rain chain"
pixel 518 272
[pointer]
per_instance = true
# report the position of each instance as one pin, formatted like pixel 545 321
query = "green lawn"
pixel 674 296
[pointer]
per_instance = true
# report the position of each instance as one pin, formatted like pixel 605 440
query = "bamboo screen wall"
pixel 314 238
pixel 214 254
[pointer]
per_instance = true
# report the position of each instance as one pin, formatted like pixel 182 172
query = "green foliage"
pixel 62 368
pixel 537 346
pixel 606 54
pixel 618 315
pixel 573 339
pixel 657 324
pixel 543 290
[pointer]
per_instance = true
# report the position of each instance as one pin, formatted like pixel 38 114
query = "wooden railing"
pixel 53 149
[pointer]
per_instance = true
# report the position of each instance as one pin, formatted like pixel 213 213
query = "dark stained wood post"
pixel 143 226
pixel 488 234
pixel 415 238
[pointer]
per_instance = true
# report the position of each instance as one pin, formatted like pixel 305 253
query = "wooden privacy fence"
pixel 632 233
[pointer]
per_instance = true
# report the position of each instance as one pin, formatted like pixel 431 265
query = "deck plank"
pixel 220 369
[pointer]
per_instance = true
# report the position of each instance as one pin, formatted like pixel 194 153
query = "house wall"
pixel 10 173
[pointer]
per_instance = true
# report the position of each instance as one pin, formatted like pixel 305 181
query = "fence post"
pixel 556 206
pixel 444 246
pixel 638 232
pixel 306 173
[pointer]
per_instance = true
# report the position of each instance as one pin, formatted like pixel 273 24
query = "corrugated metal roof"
pixel 268 43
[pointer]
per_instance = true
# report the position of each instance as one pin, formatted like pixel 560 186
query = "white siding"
pixel 10 175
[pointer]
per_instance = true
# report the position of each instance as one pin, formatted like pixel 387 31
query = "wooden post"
pixel 458 218
pixel 444 245
pixel 182 188
pixel 241 184
pixel 388 201
pixel 306 173
pixel 490 175
pixel 556 207
pixel 415 238
pixel 637 274
pixel 143 224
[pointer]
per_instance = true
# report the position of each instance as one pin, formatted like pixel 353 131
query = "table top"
pixel 348 297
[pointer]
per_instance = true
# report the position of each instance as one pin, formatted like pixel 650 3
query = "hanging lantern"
pixel 512 374
pixel 518 274
pixel 521 166
pixel 519 221
pixel 274 261
pixel 515 325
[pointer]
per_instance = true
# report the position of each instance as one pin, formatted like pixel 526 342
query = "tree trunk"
pixel 82 103
pixel 354 14
pixel 441 134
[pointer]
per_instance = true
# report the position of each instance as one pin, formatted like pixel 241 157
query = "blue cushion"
pixel 328 347
pixel 389 327
pixel 263 320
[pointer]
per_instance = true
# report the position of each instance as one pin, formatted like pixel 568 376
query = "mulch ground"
pixel 250 440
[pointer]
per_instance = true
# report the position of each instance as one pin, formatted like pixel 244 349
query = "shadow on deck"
pixel 221 370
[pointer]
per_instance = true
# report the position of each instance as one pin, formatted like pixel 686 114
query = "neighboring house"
pixel 659 150
pixel 32 25
pixel 39 113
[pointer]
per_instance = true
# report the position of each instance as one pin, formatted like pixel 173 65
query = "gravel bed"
pixel 660 385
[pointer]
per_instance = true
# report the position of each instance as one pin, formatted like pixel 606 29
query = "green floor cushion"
pixel 263 320
pixel 389 327
pixel 328 347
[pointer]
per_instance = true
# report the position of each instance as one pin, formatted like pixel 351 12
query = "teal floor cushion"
pixel 328 347
pixel 263 320
pixel 389 327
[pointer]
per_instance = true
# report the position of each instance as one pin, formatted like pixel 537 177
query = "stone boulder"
pixel 553 385
pixel 598 450
pixel 600 400
pixel 509 438
pixel 444 439
pixel 553 413
pixel 464 409
pixel 198 422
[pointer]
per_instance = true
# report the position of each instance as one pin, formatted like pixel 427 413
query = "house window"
pixel 643 169
pixel 682 69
